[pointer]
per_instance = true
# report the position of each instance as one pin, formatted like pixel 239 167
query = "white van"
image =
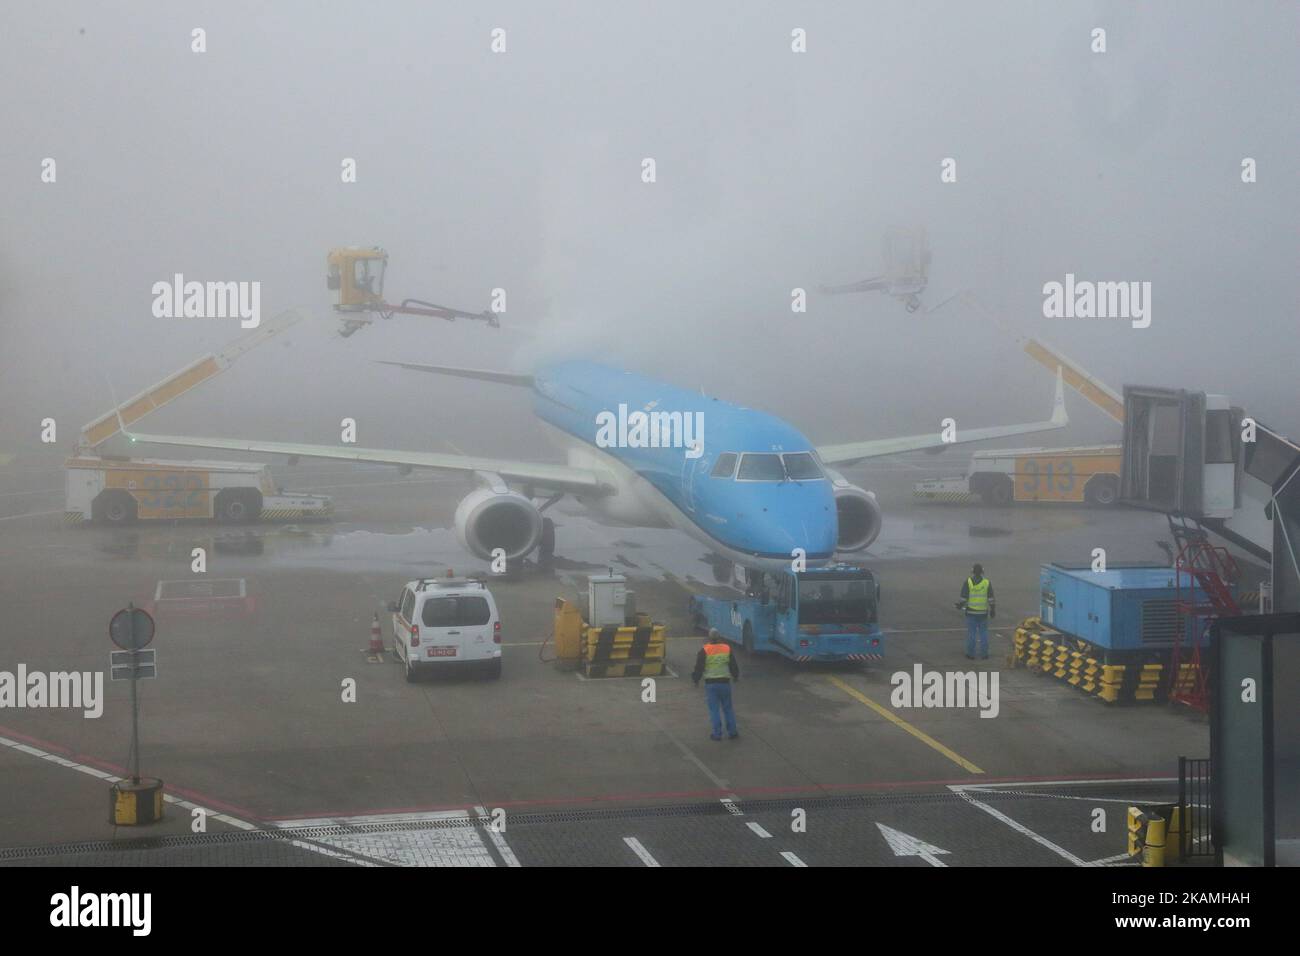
pixel 446 621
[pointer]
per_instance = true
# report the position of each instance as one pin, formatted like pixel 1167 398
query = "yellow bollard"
pixel 1153 852
pixel 134 803
pixel 1135 818
pixel 1174 837
pixel 568 635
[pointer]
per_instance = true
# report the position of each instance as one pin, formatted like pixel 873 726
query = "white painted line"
pixel 33 514
pixel 1070 796
pixel 424 816
pixel 39 491
pixel 687 753
pixel 792 859
pixel 498 839
pixel 1018 827
pixel 175 801
pixel 1107 861
pixel 578 674
pixel 325 851
pixel 415 846
pixel 730 804
pixel 757 828
pixel 640 851
pixel 223 817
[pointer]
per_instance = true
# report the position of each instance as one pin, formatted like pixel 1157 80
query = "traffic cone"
pixel 376 640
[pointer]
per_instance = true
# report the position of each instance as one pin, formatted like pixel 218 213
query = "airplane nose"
pixel 811 527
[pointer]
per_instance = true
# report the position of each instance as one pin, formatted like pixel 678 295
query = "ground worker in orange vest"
pixel 977 602
pixel 717 665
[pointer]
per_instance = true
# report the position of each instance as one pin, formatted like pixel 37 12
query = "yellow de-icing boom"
pixel 1090 388
pixel 178 383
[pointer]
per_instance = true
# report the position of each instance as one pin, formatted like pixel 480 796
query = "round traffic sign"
pixel 131 628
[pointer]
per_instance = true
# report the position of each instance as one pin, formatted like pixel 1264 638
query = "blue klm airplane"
pixel 745 484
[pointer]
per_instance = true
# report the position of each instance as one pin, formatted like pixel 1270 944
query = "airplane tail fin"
pixel 484 375
pixel 1091 388
pixel 1059 416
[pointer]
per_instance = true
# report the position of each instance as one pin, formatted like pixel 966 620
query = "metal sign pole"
pixel 135 706
pixel 139 800
pixel 135 724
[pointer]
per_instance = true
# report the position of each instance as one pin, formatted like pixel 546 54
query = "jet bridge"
pixel 1198 457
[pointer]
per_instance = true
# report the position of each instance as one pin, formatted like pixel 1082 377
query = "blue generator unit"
pixel 1123 609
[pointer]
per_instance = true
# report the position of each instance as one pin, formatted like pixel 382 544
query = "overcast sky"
pixel 522 170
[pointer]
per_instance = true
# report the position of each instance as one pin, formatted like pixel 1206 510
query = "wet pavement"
pixel 994 825
pixel 247 719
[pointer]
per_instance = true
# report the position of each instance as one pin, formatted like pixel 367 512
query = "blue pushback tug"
pixel 821 614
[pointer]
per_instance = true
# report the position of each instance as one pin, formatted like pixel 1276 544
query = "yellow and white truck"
pixel 1086 473
pixel 122 491
pixel 1083 474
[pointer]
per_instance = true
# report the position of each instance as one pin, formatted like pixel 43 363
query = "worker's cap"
pixel 978 569
pixel 713 634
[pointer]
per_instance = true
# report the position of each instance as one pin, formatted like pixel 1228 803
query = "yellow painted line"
pixel 899 721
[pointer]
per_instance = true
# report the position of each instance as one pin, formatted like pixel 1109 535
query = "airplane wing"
pixel 850 452
pixel 485 375
pixel 553 477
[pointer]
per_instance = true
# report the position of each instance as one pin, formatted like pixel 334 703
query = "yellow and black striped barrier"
pixel 74 517
pixel 280 514
pixel 625 651
pixel 948 497
pixel 1077 663
pixel 1155 833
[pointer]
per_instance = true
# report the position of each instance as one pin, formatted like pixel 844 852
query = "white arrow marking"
pixel 904 845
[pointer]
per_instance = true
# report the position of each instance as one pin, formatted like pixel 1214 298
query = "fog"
pixel 522 171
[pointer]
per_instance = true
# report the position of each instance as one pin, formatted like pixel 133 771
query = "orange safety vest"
pixel 717 661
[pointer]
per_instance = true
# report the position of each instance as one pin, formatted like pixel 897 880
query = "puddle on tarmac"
pixel 582 545
pixel 979 531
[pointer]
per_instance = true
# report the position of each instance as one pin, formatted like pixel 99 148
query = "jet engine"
pixel 488 519
pixel 859 517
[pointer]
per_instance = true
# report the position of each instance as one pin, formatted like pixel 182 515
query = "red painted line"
pixel 194 796
pixel 204 799
pixel 36 742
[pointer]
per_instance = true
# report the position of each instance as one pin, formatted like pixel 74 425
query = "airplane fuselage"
pixel 742 482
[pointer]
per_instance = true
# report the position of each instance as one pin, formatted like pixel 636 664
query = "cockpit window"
pixel 801 466
pixel 761 468
pixel 725 466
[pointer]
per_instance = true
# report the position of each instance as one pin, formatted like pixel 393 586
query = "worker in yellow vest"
pixel 717 665
pixel 977 602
